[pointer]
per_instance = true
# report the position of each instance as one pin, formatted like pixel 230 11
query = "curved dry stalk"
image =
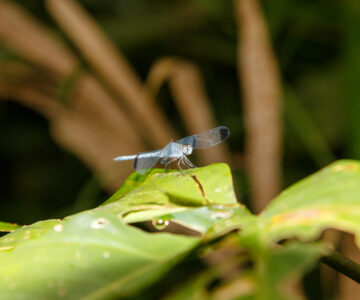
pixel 33 41
pixel 187 87
pixel 113 67
pixel 95 100
pixel 28 37
pixel 260 80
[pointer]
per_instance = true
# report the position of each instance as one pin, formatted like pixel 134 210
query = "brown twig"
pixel 34 42
pixel 113 67
pixel 350 250
pixel 343 264
pixel 23 33
pixel 260 80
pixel 91 111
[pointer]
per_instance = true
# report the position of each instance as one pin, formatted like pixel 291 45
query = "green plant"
pixel 97 254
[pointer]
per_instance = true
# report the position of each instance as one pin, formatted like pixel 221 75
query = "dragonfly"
pixel 178 150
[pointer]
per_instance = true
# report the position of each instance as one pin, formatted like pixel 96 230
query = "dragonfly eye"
pixel 187 149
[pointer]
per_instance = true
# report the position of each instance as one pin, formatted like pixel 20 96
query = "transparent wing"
pixel 146 160
pixel 206 139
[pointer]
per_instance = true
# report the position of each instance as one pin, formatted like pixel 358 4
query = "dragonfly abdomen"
pixel 125 157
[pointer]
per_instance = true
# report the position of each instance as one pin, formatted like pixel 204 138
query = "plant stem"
pixel 343 264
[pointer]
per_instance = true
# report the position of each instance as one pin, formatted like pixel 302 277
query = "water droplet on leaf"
pixel 160 224
pixel 58 227
pixel 99 223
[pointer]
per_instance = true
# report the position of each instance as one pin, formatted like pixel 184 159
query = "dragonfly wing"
pixel 206 139
pixel 145 161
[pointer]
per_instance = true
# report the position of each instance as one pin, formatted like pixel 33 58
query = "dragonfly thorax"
pixel 187 149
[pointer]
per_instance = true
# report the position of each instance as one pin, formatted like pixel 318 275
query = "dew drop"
pixel 160 224
pixel 58 227
pixel 99 223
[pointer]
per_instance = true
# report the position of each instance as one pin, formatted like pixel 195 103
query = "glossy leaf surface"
pixel 89 255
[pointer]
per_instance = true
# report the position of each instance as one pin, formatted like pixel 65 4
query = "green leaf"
pixel 195 198
pixel 95 254
pixel 192 187
pixel 4 226
pixel 92 255
pixel 241 219
pixel 329 198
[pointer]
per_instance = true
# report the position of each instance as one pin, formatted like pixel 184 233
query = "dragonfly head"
pixel 187 149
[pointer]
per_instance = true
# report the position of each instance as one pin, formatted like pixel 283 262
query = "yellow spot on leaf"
pixel 303 216
pixel 350 167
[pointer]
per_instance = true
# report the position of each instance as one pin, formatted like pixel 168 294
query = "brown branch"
pixel 23 33
pixel 349 247
pixel 91 111
pixel 33 41
pixel 113 67
pixel 260 80
pixel 189 94
pixel 343 264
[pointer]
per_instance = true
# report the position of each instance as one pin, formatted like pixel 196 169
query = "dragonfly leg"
pixel 168 162
pixel 187 162
pixel 180 162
